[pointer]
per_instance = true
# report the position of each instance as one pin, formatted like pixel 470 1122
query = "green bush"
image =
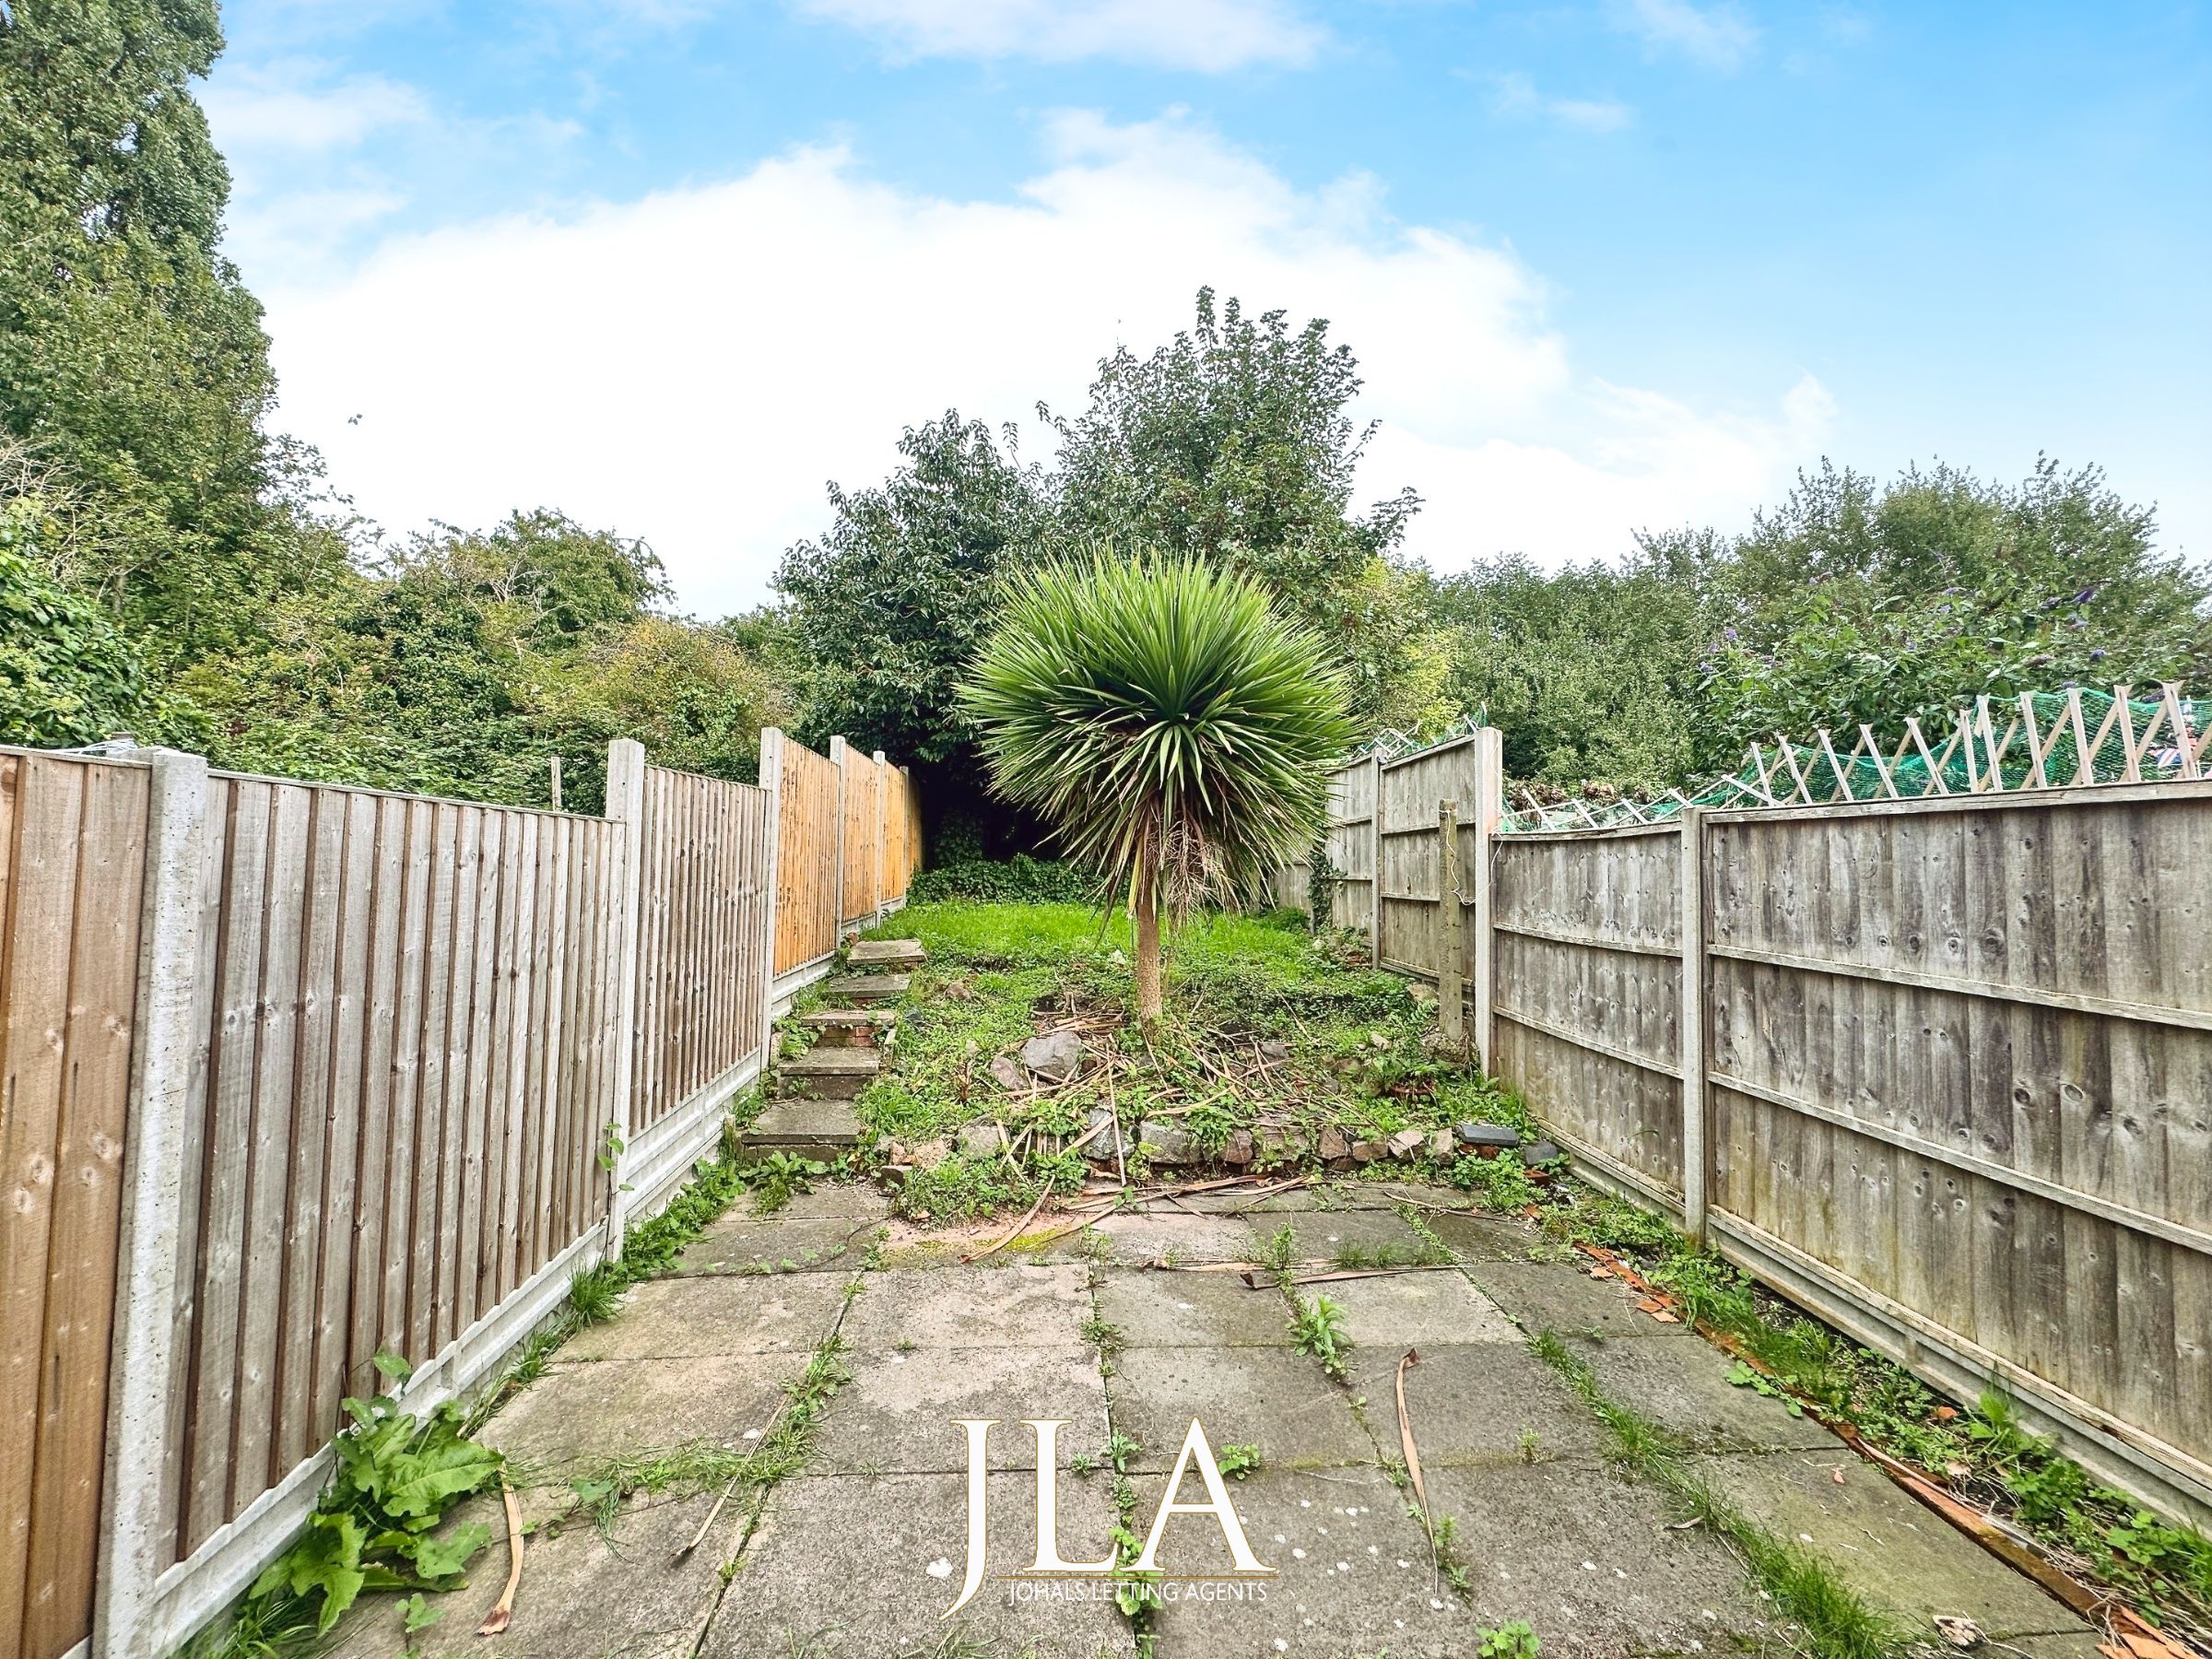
pixel 1017 880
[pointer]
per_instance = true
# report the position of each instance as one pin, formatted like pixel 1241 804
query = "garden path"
pixel 861 1547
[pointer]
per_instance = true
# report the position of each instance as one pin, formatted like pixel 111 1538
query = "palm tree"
pixel 1174 731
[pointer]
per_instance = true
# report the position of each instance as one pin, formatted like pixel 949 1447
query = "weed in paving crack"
pixel 1317 1328
pixel 1838 1624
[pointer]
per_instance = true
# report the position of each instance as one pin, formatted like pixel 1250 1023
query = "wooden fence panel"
pixel 1587 999
pixel 392 1036
pixel 862 785
pixel 1410 855
pixel 387 1122
pixel 701 966
pixel 808 831
pixel 1961 1065
pixel 1951 1069
pixel 1351 845
pixel 72 852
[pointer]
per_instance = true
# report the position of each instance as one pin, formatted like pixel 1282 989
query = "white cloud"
pixel 692 366
pixel 1717 36
pixel 281 106
pixel 1180 34
pixel 1516 97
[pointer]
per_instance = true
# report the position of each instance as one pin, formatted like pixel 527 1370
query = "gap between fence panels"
pixel 449 988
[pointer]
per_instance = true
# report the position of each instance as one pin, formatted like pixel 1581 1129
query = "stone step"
pixel 850 1027
pixel 833 1071
pixel 886 953
pixel 865 987
pixel 824 1131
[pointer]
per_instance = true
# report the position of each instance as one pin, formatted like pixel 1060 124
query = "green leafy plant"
pixel 375 1527
pixel 779 1177
pixel 1170 727
pixel 1515 1640
pixel 1745 1376
pixel 1238 1460
pixel 1317 1328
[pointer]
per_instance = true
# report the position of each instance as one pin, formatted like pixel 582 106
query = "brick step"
pixel 824 1131
pixel 865 987
pixel 886 953
pixel 829 1072
pixel 849 1028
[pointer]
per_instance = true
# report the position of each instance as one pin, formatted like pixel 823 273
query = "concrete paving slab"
pixel 1352 1574
pixel 1886 1545
pixel 691 1318
pixel 1397 1311
pixel 897 1415
pixel 1684 1387
pixel 575 1416
pixel 1479 1238
pixel 836 1202
pixel 845 1567
pixel 1562 1298
pixel 1474 1403
pixel 742 1243
pixel 1192 1310
pixel 582 1595
pixel 1593 1563
pixel 1325 1235
pixel 1270 1398
pixel 1019 1305
pixel 1158 1237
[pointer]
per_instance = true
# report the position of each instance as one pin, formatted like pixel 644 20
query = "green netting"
pixel 2037 740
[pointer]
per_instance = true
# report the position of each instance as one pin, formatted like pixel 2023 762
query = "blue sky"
pixel 672 264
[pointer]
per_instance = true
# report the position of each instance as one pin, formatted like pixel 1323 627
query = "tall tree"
pixel 888 608
pixel 129 348
pixel 1233 443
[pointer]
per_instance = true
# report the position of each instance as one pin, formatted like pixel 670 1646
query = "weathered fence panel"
pixel 1350 846
pixel 295 1074
pixel 1587 1002
pixel 702 968
pixel 1409 852
pixel 1961 1065
pixel 403 1073
pixel 71 835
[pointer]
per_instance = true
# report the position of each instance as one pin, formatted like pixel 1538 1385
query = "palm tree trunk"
pixel 1148 1005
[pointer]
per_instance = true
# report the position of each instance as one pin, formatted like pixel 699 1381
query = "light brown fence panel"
pixel 1961 1070
pixel 701 964
pixel 406 1018
pixel 897 824
pixel 1587 1001
pixel 809 838
pixel 862 785
pixel 1351 845
pixel 1411 918
pixel 72 861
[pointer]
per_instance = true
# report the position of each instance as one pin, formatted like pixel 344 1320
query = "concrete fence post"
pixel 626 806
pixel 1450 983
pixel 882 766
pixel 771 780
pixel 838 753
pixel 1697 1096
pixel 1490 806
pixel 141 1356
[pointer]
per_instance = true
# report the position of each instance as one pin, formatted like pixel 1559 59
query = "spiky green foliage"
pixel 1174 730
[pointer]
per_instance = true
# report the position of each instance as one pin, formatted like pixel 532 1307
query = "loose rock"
pixel 1009 1075
pixel 1167 1143
pixel 1406 1143
pixel 978 1140
pixel 1056 1056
